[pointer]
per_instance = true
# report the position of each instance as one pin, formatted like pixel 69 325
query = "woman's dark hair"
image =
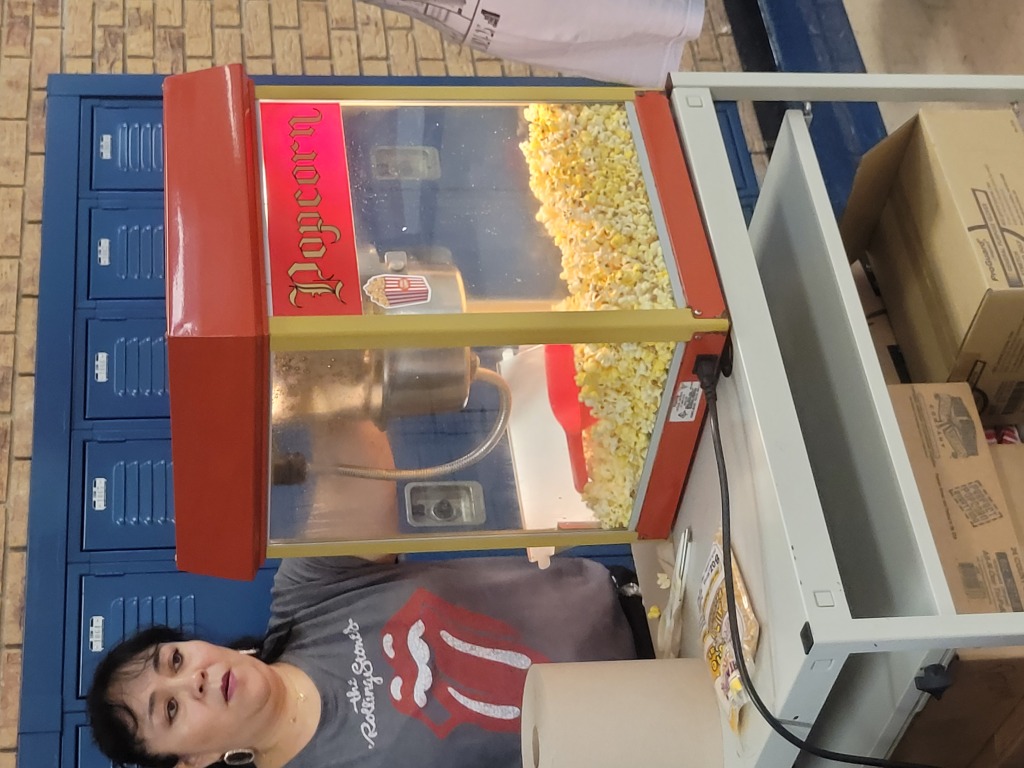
pixel 114 725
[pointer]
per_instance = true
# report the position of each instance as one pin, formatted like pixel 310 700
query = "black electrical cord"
pixel 706 369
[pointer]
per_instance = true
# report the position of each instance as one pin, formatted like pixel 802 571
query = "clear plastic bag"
pixel 715 634
pixel 637 42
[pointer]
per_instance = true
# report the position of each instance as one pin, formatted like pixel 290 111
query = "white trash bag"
pixel 637 42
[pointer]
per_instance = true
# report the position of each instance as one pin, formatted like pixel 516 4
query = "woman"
pixel 364 664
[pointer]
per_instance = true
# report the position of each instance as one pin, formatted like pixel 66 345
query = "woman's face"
pixel 199 700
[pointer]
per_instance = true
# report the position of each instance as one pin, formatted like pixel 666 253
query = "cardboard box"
pixel 937 208
pixel 1005 749
pixel 890 357
pixel 867 291
pixel 967 510
pixel 951 732
pixel 1009 461
pixel 979 721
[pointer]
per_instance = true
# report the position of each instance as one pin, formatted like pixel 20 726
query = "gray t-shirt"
pixel 423 664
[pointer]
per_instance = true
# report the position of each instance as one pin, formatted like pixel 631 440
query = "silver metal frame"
pixel 812 86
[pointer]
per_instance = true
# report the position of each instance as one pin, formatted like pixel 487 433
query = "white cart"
pixel 829 529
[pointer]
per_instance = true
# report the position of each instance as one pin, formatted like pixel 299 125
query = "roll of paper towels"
pixel 659 713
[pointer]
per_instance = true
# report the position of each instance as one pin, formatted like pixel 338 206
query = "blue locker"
pixel 114 606
pixel 126 369
pixel 126 258
pixel 128 495
pixel 127 146
pixel 79 749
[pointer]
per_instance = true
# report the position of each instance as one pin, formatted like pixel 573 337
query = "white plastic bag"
pixel 637 42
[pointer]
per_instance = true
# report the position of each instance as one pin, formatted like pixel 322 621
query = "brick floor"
pixel 142 36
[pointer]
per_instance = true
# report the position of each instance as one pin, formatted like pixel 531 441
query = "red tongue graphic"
pixel 471 665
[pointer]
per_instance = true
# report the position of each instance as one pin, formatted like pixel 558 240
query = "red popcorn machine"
pixel 412 318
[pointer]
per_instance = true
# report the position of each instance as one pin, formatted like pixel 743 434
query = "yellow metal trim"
pixel 445 93
pixel 487 329
pixel 450 543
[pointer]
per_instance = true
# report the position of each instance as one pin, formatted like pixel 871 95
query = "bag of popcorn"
pixel 637 42
pixel 717 637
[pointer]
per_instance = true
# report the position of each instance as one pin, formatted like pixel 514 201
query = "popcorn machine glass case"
pixel 404 346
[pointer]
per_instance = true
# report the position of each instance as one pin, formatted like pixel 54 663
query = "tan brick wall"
pixel 143 36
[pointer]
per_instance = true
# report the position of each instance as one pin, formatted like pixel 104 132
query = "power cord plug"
pixel 706 368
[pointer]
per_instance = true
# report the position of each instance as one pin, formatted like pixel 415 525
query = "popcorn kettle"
pixel 383 384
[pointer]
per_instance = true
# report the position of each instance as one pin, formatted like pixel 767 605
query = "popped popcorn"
pixel 585 173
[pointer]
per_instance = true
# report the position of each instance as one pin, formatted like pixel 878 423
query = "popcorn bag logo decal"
pixel 397 290
pixel 452 666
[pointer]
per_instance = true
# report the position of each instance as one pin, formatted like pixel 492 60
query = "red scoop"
pixel 573 415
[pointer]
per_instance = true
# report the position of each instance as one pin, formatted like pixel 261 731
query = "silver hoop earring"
pixel 236 757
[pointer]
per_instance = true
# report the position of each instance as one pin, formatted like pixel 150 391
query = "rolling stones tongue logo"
pixel 471 665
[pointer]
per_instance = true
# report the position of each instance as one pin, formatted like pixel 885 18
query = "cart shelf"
pixel 829 528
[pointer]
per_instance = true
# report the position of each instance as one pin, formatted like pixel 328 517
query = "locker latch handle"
pixel 99 494
pixel 100 366
pixel 103 252
pixel 96 634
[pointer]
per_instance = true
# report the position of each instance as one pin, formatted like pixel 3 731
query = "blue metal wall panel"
pixel 105 86
pixel 743 175
pixel 47 526
pixel 40 750
pixel 816 36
